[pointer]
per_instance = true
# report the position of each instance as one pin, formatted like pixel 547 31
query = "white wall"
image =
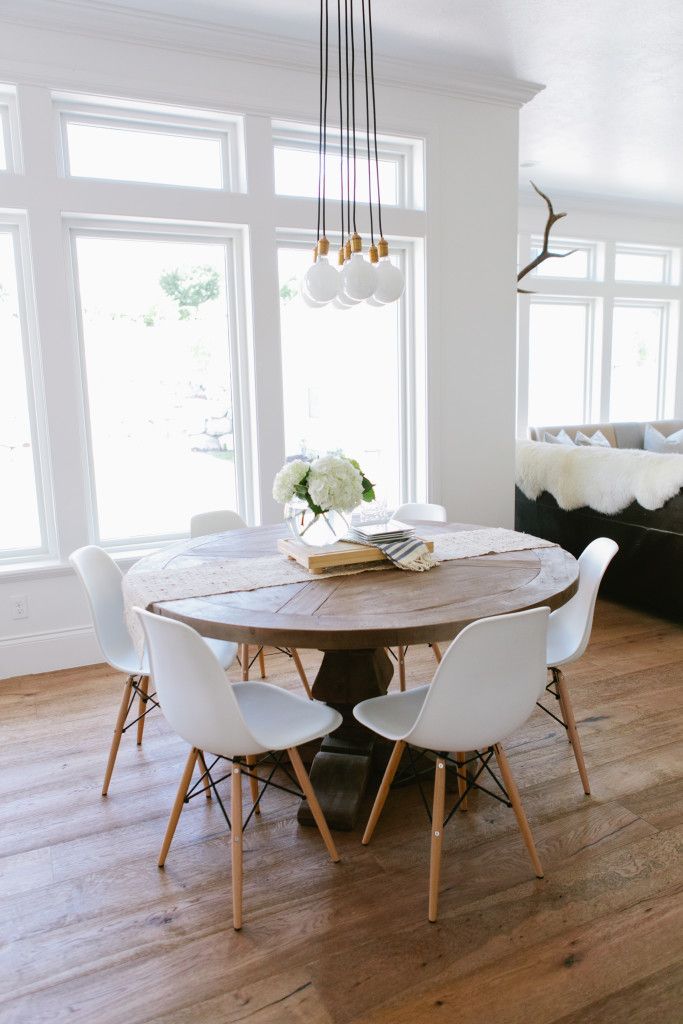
pixel 470 127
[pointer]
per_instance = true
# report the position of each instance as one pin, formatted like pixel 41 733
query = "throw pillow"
pixel 561 438
pixel 597 439
pixel 656 442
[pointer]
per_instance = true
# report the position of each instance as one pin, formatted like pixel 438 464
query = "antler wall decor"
pixel 545 253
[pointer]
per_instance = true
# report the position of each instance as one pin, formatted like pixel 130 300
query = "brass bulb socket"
pixel 383 247
pixel 347 249
pixel 356 242
pixel 340 257
pixel 315 253
pixel 323 246
pixel 374 258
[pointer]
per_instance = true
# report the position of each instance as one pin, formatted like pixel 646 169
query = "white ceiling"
pixel 609 121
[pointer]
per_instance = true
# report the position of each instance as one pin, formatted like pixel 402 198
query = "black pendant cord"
pixel 327 33
pixel 348 159
pixel 367 124
pixel 374 117
pixel 353 113
pixel 320 124
pixel 341 123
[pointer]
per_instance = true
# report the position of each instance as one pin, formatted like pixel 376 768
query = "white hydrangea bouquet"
pixel 317 494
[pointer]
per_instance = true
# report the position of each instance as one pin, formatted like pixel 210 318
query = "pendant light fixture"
pixel 376 279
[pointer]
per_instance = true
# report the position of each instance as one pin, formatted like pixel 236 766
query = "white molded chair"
pixel 485 687
pixel 101 579
pixel 421 510
pixel 434 514
pixel 220 521
pixel 569 630
pixel 236 723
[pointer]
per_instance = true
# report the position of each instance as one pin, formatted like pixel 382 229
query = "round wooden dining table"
pixel 353 619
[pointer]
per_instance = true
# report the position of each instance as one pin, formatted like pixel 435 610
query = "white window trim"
pixel 588 342
pixel 412 400
pixel 406 153
pixel 9 115
pixel 226 129
pixel 239 352
pixel 17 224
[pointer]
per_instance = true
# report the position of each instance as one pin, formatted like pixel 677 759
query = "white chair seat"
pixel 279 719
pixel 393 715
pixel 224 651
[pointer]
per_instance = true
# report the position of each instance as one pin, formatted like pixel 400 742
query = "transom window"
pixel 295 151
pixel 580 264
pixel 158 146
pixel 638 263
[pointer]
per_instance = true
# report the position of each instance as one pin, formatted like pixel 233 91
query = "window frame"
pixel 592 250
pixel 160 120
pixel 16 224
pixel 9 116
pixel 412 388
pixel 406 153
pixel 239 340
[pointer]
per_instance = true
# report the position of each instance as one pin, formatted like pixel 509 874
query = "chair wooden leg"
pixel 205 772
pixel 462 783
pixel 383 791
pixel 572 731
pixel 313 805
pixel 401 667
pixel 244 658
pixel 302 672
pixel 437 653
pixel 437 836
pixel 142 704
pixel 253 784
pixel 118 733
pixel 513 793
pixel 185 781
pixel 262 662
pixel 236 845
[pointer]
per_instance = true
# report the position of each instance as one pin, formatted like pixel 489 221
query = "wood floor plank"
pixel 91 931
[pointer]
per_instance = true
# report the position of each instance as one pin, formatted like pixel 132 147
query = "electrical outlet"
pixel 19 603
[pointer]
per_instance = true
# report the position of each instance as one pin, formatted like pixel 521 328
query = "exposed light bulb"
pixel 390 282
pixel 321 281
pixel 358 278
pixel 306 298
pixel 372 301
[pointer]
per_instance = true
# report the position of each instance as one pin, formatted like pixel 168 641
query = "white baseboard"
pixel 47 652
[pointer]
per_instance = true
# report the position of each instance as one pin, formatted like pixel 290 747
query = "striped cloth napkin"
pixel 411 554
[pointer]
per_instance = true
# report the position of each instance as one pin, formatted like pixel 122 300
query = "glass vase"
pixel 317 530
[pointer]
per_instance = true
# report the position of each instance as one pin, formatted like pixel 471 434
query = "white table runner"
pixel 144 586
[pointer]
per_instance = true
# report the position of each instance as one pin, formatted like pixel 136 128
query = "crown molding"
pixel 102 20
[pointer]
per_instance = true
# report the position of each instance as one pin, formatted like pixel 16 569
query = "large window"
pixel 558 353
pixel 155 358
pixel 599 335
pixel 155 322
pixel 21 528
pixel 341 375
pixel 638 338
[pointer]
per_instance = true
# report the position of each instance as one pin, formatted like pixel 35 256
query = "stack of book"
pixel 381 533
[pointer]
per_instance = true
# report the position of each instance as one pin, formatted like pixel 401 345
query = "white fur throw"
pixel 605 479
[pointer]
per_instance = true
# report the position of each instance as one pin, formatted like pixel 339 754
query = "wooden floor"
pixel 93 932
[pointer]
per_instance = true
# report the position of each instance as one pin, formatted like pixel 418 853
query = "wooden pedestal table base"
pixel 341 769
